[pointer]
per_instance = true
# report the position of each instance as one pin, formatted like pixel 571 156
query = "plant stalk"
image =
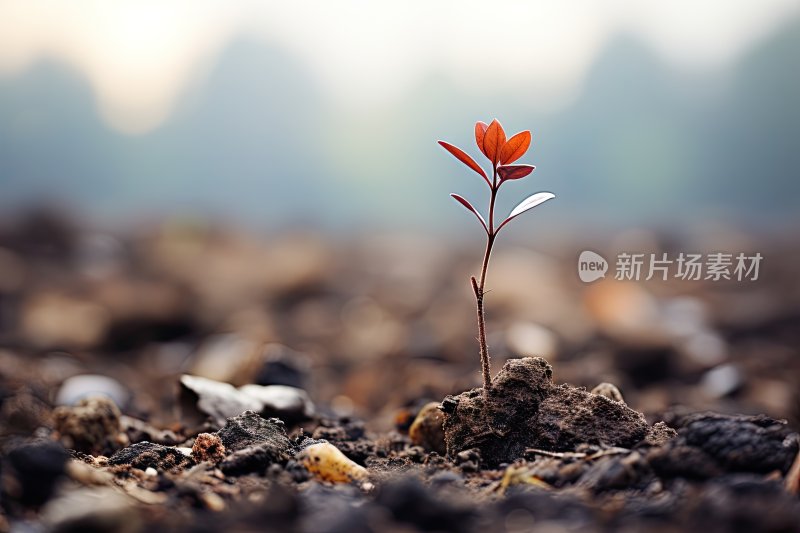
pixel 478 288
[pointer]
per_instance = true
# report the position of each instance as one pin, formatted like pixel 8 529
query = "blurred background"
pixel 195 186
pixel 327 114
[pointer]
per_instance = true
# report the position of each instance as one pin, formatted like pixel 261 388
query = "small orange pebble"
pixel 208 447
pixel 328 463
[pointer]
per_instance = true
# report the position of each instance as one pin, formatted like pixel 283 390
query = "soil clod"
pixel 526 410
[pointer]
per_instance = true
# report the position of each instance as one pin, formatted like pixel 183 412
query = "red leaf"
pixel 480 131
pixel 515 147
pixel 464 158
pixel 493 141
pixel 514 172
pixel 463 201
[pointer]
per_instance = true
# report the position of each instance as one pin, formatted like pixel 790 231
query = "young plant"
pixel 501 153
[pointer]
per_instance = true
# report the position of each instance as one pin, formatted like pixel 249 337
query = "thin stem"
pixel 478 288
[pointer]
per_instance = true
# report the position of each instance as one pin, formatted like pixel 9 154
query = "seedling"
pixel 491 140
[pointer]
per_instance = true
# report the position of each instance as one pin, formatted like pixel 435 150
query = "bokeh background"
pixel 186 186
pixel 326 113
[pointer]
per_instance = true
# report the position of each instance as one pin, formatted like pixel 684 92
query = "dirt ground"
pixel 196 378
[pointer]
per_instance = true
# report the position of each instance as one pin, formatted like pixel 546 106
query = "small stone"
pixel 254 459
pixel 202 398
pixel 610 391
pixel 208 447
pixel 144 455
pixel 77 388
pixel 35 469
pixel 427 430
pixel 283 366
pixel 328 463
pixel 290 404
pixel 721 381
pixel 91 426
pixel 249 429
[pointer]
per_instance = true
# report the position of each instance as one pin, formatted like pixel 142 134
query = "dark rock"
pixel 283 366
pixel 139 430
pixel 35 468
pixel 709 444
pixel 645 365
pixel 255 459
pixel 144 455
pixel 526 410
pixel 249 429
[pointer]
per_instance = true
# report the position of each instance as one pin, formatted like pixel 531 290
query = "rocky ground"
pixel 192 378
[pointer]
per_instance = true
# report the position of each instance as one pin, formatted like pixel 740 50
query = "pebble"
pixel 610 391
pixel 249 429
pixel 202 397
pixel 283 366
pixel 76 388
pixel 427 430
pixel 287 403
pixel 327 463
pixel 721 381
pixel 144 455
pixel 208 447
